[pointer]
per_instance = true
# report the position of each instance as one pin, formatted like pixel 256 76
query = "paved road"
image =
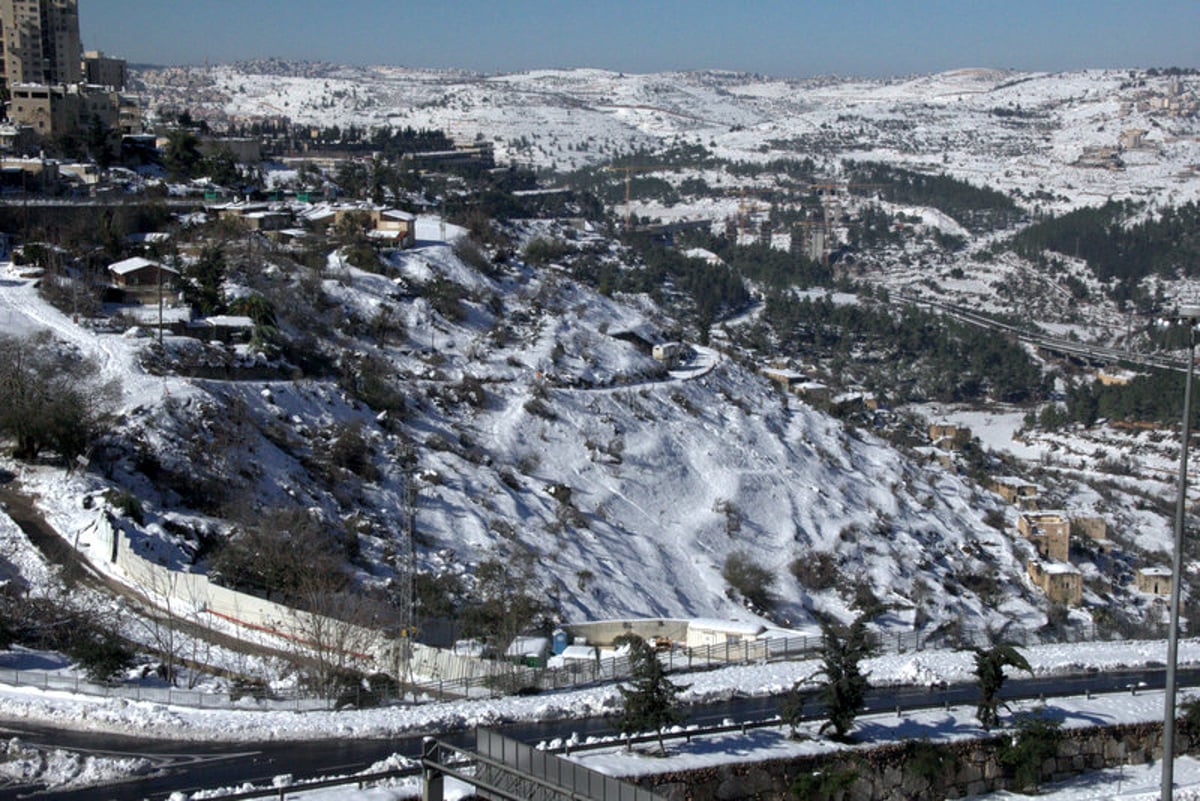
pixel 184 766
pixel 1067 347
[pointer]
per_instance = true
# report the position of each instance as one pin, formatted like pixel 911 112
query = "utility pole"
pixel 408 569
pixel 1190 316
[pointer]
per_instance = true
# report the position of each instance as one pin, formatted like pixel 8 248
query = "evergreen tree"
pixel 99 144
pixel 989 670
pixel 651 700
pixel 1036 741
pixel 791 711
pixel 182 156
pixel 204 280
pixel 842 649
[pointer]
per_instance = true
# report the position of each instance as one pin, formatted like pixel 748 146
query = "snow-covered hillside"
pixel 543 439
pixel 1024 133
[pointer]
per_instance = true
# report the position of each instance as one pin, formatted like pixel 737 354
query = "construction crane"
pixel 629 170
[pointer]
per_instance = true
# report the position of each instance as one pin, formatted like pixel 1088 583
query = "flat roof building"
pixel 41 41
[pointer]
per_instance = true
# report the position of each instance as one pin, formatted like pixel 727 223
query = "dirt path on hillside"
pixel 23 511
pixel 21 508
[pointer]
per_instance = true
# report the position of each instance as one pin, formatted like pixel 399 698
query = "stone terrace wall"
pixel 887 773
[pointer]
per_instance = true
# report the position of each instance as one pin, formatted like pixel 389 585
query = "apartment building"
pixel 53 88
pixel 102 70
pixel 41 42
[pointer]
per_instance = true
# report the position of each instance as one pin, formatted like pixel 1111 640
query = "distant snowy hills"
pixel 1030 133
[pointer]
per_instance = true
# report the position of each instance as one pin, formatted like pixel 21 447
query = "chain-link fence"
pixel 525 680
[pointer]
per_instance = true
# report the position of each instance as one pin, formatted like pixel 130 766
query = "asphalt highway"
pixel 191 766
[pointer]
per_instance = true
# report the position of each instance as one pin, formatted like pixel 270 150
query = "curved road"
pixel 191 766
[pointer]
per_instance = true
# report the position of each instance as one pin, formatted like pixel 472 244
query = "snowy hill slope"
pixel 542 440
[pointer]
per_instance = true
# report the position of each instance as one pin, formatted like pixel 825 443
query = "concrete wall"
pixel 603 632
pixel 193 597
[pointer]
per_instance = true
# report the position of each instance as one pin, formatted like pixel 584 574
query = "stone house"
pixel 948 437
pixel 397 228
pixel 1050 532
pixel 139 272
pixel 1061 582
pixel 1016 491
pixel 783 376
pixel 669 353
pixel 1154 580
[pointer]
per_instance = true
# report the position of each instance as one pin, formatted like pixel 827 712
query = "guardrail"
pixel 934 698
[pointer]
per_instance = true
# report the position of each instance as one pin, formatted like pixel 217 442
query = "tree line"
pixel 977 208
pixel 1120 241
pixel 916 354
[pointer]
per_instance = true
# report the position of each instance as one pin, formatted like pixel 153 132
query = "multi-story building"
pixel 53 88
pixel 1049 531
pixel 41 42
pixel 102 70
pixel 64 108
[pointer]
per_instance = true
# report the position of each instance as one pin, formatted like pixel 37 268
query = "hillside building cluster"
pixel 1177 100
pixel 52 86
pixel 1050 531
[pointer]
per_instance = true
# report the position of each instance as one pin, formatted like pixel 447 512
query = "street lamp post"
pixel 1189 315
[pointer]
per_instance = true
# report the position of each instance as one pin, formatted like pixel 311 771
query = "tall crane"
pixel 629 170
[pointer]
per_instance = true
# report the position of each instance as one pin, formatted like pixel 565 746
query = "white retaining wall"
pixel 193 597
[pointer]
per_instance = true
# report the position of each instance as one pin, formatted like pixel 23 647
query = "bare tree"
pixel 334 638
pixel 173 625
pixel 50 397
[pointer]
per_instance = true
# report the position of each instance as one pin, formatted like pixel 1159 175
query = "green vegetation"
pixel 1037 740
pixel 504 603
pixel 203 281
pixel 831 783
pixel 1153 397
pixel 816 571
pixel 56 624
pixel 791 709
pixel 842 651
pixel 651 699
pixel 1119 241
pixel 701 291
pixel 975 208
pixel 989 671
pixel 750 580
pixel 50 398
pixel 916 354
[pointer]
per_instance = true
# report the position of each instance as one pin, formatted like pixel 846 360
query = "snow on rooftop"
pixel 136 263
pixel 728 626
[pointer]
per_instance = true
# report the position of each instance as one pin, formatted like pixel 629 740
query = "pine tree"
pixel 989 670
pixel 791 711
pixel 651 700
pixel 842 649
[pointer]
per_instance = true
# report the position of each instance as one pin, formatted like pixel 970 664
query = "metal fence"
pixel 525 680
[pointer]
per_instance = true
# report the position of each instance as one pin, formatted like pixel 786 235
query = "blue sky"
pixel 797 38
